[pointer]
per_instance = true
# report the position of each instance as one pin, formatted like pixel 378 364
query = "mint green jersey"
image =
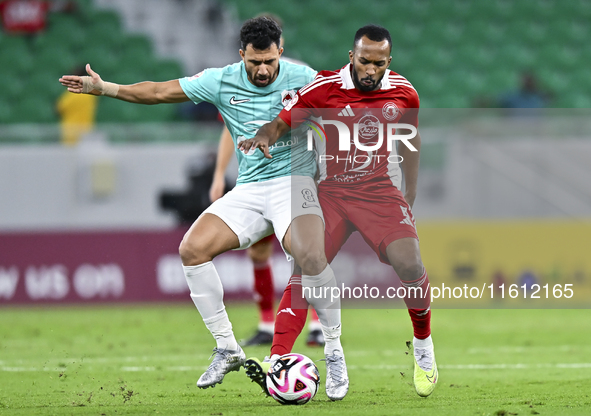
pixel 246 107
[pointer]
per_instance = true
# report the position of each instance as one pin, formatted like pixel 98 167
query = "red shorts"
pixel 381 217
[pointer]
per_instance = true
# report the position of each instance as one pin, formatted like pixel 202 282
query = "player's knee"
pixel 192 253
pixel 312 263
pixel 409 270
pixel 259 253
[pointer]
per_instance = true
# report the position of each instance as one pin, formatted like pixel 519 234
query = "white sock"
pixel 266 327
pixel 332 340
pixel 318 293
pixel 208 296
pixel 422 343
pixel 425 361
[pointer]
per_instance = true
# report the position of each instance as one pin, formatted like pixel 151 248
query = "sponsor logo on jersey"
pixel 347 112
pixel 368 126
pixel 390 111
pixel 234 101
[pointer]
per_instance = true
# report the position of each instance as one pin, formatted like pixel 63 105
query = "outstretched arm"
pixel 141 93
pixel 265 137
pixel 410 168
pixel 225 152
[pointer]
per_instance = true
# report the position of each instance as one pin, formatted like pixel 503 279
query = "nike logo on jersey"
pixel 347 112
pixel 287 310
pixel 233 100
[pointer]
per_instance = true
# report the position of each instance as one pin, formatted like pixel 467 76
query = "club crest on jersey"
pixel 287 97
pixel 293 102
pixel 196 76
pixel 390 111
pixel 369 126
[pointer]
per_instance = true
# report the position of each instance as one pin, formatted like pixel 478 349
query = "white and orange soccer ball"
pixel 293 379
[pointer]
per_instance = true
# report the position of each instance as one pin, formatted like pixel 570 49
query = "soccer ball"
pixel 293 379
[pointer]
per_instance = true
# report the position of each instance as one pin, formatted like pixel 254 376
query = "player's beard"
pixel 367 88
pixel 257 80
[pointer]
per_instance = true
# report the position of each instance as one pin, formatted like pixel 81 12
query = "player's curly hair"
pixel 260 32
pixel 373 32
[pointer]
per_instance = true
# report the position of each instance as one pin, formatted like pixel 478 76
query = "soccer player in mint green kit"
pixel 248 95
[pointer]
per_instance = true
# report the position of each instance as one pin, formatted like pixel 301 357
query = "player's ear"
pixel 280 52
pixel 241 52
pixel 351 56
pixel 389 60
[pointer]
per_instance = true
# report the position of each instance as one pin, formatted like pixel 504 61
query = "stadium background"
pixel 504 196
pixel 527 182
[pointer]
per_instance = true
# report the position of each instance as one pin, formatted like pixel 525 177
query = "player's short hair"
pixel 272 16
pixel 260 32
pixel 373 32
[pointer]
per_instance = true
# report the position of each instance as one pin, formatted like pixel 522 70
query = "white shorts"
pixel 256 210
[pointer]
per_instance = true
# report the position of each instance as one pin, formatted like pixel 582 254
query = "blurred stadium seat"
pixel 491 41
pixel 458 47
pixel 30 67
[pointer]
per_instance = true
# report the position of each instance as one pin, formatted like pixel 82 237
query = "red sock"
pixel 291 317
pixel 418 303
pixel 263 286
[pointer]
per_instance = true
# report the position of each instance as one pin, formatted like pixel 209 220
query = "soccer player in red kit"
pixel 360 182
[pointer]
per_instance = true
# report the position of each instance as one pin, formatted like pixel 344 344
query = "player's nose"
pixel 263 70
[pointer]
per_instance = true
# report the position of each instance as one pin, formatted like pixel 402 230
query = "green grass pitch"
pixel 145 359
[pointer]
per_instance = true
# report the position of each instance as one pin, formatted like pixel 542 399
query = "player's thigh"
pixel 262 250
pixel 380 222
pixel 304 240
pixel 208 237
pixel 337 227
pixel 404 255
pixel 294 210
pixel 242 209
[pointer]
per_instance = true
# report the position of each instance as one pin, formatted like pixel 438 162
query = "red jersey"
pixel 335 102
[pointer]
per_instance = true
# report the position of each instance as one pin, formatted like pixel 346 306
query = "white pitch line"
pixel 516 366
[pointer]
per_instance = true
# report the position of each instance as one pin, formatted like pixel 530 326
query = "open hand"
pixel 92 84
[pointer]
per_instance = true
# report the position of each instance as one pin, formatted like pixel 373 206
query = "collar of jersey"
pixel 348 83
pixel 263 89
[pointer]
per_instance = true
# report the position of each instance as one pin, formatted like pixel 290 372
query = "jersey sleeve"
pixel 301 106
pixel 204 86
pixel 411 115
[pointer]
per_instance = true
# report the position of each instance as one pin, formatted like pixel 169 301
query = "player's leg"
pixel 315 335
pixel 260 253
pixel 404 255
pixel 388 227
pixel 208 237
pixel 233 221
pixel 304 240
pixel 293 309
